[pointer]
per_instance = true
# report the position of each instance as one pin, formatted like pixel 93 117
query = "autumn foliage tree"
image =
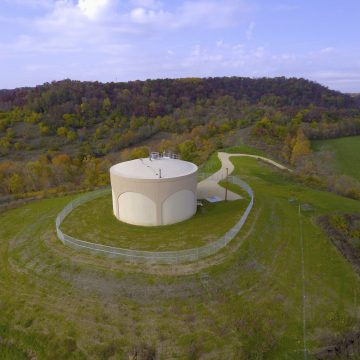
pixel 301 147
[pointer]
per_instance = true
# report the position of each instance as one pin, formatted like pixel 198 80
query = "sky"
pixel 120 40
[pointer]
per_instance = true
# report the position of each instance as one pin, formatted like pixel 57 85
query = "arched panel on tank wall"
pixel 115 211
pixel 135 208
pixel 178 206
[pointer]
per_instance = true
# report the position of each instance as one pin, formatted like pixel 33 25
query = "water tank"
pixel 154 191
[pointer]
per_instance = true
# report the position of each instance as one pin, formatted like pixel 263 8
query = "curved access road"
pixel 210 187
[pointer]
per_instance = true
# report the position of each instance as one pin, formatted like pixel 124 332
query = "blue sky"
pixel 120 40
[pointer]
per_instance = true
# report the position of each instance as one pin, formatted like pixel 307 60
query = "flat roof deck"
pixel 146 168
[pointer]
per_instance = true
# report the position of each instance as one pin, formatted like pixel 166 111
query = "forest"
pixel 64 135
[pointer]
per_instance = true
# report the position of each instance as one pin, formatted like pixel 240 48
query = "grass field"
pixel 94 222
pixel 347 154
pixel 244 149
pixel 213 164
pixel 60 304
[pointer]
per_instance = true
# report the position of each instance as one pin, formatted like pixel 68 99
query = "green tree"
pixel 44 130
pixel 188 150
pixel 71 135
pixel 10 133
pixel 62 131
pixel 301 147
pixel 4 146
pixel 15 184
pixel 139 152
pixel 32 118
pixel 106 105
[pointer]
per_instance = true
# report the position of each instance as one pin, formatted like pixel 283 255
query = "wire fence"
pixel 157 257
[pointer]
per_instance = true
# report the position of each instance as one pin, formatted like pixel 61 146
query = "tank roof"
pixel 146 168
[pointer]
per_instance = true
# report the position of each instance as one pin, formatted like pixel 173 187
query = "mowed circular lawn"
pixel 94 222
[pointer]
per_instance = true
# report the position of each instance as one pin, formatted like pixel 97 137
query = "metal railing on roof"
pixel 155 155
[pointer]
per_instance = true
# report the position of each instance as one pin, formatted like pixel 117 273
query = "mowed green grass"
pixel 330 282
pixel 58 303
pixel 244 149
pixel 94 222
pixel 347 154
pixel 212 165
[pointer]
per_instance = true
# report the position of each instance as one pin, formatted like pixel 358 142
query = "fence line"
pixel 161 257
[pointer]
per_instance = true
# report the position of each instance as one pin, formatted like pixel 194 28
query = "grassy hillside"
pixel 346 153
pixel 244 303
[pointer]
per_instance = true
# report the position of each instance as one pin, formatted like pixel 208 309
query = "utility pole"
pixel 227 182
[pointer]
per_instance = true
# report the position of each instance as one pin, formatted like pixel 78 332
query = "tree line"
pixel 65 132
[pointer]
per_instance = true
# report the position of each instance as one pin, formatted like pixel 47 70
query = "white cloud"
pixel 336 75
pixel 129 39
pixel 285 57
pixel 259 52
pixel 220 43
pixel 33 3
pixel 13 20
pixel 64 16
pixel 144 16
pixel 68 17
pixel 238 49
pixel 89 17
pixel 72 28
pixel 203 13
pixel 221 57
pixel 327 50
pixel 250 31
pixel 93 8
pixel 152 4
pixel 211 13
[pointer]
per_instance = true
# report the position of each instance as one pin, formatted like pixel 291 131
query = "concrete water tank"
pixel 154 191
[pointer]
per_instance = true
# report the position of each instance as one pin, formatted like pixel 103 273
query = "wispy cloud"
pixel 129 39
pixel 286 7
pixel 145 16
pixel 211 13
pixel 250 31
pixel 336 75
pixel 152 4
pixel 327 50
pixel 33 3
pixel 207 13
pixel 76 26
pixel 93 8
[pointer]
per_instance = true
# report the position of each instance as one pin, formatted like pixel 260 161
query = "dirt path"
pixel 210 186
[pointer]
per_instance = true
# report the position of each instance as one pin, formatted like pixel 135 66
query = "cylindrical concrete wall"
pixel 154 192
